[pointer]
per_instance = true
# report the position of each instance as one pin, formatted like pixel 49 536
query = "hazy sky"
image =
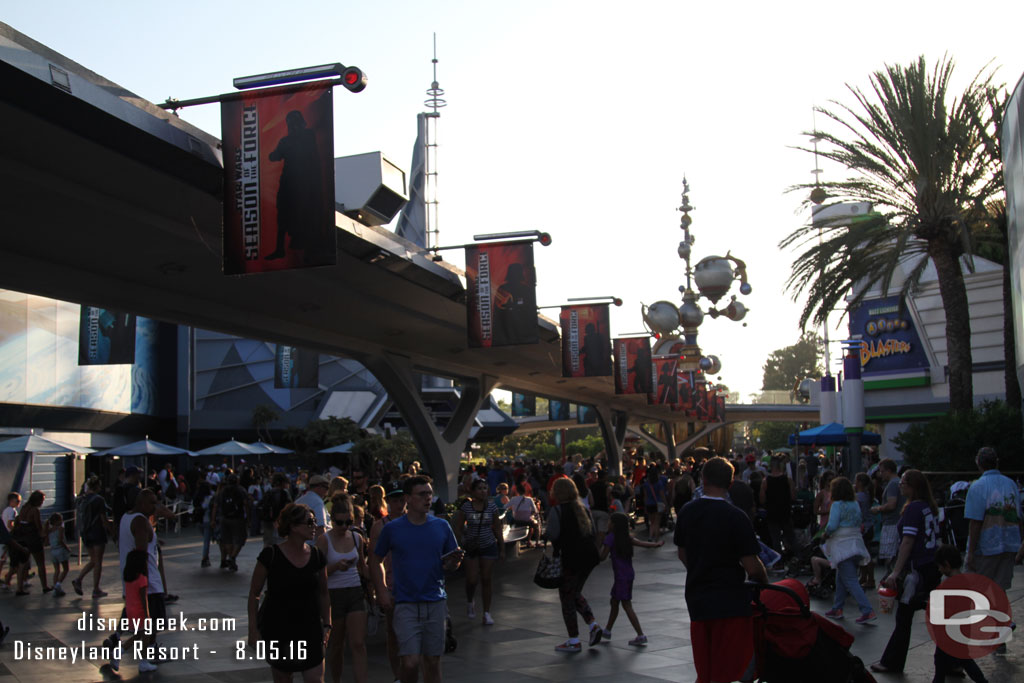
pixel 578 118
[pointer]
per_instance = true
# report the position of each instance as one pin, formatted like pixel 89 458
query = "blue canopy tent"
pixel 832 434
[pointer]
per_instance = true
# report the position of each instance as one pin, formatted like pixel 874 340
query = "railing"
pixel 776 397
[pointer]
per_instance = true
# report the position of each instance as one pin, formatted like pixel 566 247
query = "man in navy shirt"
pixel 717 545
pixel 422 548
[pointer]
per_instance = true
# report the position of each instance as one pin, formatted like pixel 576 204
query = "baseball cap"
pixel 750 457
pixel 393 488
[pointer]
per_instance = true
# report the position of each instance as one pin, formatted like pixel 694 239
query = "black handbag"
pixel 549 572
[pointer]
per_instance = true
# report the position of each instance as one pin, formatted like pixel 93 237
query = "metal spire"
pixel 434 102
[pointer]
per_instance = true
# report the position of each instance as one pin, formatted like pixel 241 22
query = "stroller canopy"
pixel 832 434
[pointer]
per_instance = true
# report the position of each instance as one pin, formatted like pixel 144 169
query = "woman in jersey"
pixel 477 527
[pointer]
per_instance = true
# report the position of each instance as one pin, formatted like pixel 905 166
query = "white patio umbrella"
pixel 231 447
pixel 145 447
pixel 341 448
pixel 264 447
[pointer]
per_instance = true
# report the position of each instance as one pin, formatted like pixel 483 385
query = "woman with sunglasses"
pixel 346 565
pixel 294 624
pixel 477 527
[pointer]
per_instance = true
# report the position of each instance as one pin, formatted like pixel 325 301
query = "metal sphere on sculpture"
pixel 684 250
pixel 735 311
pixel 714 276
pixel 690 315
pixel 745 288
pixel 662 317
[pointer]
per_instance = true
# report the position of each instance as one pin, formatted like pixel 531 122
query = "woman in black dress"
pixel 296 619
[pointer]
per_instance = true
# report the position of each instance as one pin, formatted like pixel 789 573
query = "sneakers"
pixel 868 618
pixel 834 614
pixel 205 563
pixel 569 647
pixel 639 641
pixel 224 563
pixel 1001 650
pixel 99 594
pixel 471 610
pixel 606 634
pixel 146 667
pixel 58 591
pixel 595 634
pixel 232 565
pixel 77 585
pixel 488 621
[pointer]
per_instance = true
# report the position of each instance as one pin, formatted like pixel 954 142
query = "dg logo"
pixel 969 616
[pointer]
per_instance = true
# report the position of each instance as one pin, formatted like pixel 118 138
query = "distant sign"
pixel 890 339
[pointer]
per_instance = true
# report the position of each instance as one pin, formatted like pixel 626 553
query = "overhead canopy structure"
pixel 264 447
pixel 31 443
pixel 340 448
pixel 832 434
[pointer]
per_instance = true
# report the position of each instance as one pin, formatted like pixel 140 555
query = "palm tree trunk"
pixel 1013 396
pixel 958 326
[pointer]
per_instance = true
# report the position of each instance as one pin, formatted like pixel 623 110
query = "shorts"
pixel 157 605
pixel 486 553
pixel 18 557
pixel 419 627
pixel 233 531
pixel 60 555
pixel 344 601
pixel 94 537
pixel 889 543
pixel 999 568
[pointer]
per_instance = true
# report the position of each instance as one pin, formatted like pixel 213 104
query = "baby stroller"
pixel 794 645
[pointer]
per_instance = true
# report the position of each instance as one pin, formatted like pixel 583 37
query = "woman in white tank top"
pixel 346 565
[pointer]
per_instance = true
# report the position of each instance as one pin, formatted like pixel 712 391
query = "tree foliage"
pixel 949 443
pixel 785 367
pixel 916 153
pixel 773 434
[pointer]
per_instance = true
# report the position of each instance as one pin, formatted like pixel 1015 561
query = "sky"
pixel 576 118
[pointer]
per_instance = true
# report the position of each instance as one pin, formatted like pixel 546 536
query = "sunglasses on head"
pixel 343 522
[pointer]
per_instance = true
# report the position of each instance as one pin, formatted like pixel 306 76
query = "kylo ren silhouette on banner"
pixel 278 179
pixel 586 341
pixel 501 307
pixel 634 373
pixel 667 390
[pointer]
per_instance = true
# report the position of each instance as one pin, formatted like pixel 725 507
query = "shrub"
pixel 949 443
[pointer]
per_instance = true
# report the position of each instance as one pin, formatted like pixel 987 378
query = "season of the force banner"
pixel 278 179
pixel 586 341
pixel 666 389
pixel 634 372
pixel 106 337
pixel 296 368
pixel 502 302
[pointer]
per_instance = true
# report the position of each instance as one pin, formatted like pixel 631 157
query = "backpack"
pixel 83 515
pixel 232 503
pixel 273 503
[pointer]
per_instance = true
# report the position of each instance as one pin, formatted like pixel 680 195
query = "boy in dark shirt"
pixel 717 545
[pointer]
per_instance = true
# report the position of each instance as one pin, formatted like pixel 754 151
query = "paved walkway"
pixel 518 648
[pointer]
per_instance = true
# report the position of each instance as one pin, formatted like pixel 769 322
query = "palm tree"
pixel 914 152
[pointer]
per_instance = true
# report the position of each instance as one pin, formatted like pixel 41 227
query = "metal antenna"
pixel 434 102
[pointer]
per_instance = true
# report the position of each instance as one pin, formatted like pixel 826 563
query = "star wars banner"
pixel 634 372
pixel 719 415
pixel 523 405
pixel 586 341
pixel 502 302
pixel 586 415
pixel 105 337
pixel 666 390
pixel 296 368
pixel 686 383
pixel 558 410
pixel 278 179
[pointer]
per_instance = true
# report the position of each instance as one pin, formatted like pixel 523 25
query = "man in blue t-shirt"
pixel 422 548
pixel 994 511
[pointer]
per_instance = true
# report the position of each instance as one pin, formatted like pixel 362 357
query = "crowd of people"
pixel 377 543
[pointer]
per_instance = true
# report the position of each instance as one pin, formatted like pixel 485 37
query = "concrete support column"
pixel 440 451
pixel 613 431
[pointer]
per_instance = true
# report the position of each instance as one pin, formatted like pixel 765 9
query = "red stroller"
pixel 795 645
